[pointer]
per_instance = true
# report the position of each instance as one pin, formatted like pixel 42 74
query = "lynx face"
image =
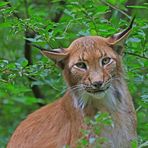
pixel 92 66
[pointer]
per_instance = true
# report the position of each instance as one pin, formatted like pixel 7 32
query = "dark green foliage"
pixel 55 24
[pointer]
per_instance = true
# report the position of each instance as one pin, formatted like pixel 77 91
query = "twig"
pixel 3 80
pixel 137 55
pixel 137 110
pixel 114 7
pixel 59 15
pixel 66 28
pixel 14 13
pixel 90 18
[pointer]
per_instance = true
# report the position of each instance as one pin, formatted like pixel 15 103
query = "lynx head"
pixel 91 64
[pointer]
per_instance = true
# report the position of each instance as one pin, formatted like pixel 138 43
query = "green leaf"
pixel 3 4
pixel 134 144
pixel 143 145
pixel 102 9
pixel 84 142
pixel 5 24
pixel 24 62
pixel 11 66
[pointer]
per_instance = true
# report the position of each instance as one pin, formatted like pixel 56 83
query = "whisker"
pixel 76 88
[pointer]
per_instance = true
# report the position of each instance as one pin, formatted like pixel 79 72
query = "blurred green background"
pixel 28 80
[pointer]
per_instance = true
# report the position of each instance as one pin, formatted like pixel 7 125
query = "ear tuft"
pixel 118 39
pixel 121 36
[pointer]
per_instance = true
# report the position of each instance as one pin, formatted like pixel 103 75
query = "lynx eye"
pixel 81 65
pixel 106 61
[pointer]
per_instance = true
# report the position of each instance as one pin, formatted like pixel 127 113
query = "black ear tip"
pixel 132 21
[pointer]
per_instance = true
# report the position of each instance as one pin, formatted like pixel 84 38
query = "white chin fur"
pixel 84 97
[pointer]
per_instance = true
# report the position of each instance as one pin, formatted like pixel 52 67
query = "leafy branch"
pixel 30 33
pixel 15 14
pixel 27 47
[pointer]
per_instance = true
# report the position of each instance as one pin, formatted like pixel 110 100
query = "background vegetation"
pixel 28 80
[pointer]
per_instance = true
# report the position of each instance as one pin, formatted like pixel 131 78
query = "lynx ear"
pixel 57 55
pixel 118 39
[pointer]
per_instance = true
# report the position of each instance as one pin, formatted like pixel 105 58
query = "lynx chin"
pixel 94 75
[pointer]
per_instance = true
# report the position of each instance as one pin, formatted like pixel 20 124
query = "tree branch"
pixel 116 8
pixel 28 54
pixel 137 55
pixel 15 14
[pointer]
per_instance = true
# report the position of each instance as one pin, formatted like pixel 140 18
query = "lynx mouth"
pixel 93 91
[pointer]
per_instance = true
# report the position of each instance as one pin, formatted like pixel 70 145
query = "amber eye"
pixel 81 65
pixel 106 60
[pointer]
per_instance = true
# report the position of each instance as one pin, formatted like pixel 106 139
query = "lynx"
pixel 93 71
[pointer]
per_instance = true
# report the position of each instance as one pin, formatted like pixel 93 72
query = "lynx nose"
pixel 97 84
